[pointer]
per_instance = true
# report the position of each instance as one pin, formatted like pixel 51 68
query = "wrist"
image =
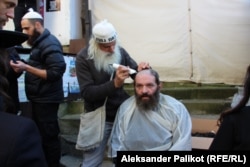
pixel 24 67
pixel 116 83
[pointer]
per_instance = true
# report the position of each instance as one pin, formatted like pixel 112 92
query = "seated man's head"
pixel 6 11
pixel 147 89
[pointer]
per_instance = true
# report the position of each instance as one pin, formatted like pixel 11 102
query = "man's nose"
pixel 24 31
pixel 144 89
pixel 10 13
pixel 111 49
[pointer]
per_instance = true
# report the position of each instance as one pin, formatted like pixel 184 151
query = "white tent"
pixel 204 41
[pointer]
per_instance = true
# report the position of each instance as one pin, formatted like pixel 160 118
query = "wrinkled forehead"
pixel 145 72
pixel 144 76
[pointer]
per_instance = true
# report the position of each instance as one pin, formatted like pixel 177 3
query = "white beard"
pixel 104 59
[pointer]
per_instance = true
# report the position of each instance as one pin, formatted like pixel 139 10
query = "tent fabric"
pixel 204 41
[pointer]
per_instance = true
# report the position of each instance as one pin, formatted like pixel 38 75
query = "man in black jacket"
pixel 7 12
pixel 43 82
pixel 20 141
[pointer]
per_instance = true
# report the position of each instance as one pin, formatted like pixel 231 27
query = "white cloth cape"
pixel 168 128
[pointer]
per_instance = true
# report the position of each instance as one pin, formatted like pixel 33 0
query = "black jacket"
pixel 20 142
pixel 12 77
pixel 233 133
pixel 27 3
pixel 46 53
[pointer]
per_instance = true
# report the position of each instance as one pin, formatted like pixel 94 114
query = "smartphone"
pixel 13 59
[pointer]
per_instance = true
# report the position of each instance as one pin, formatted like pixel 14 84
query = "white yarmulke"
pixel 104 32
pixel 32 15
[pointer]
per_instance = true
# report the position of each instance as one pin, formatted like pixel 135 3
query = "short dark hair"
pixel 33 21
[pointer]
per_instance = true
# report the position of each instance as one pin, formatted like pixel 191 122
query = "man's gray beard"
pixel 104 59
pixel 150 105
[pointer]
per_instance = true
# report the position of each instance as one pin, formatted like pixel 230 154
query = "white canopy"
pixel 204 41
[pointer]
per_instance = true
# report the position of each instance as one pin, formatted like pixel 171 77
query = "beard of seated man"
pixel 150 103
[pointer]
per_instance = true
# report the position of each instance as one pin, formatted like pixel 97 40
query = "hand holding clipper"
pixel 131 71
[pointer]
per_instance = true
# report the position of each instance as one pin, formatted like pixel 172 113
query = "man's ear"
pixel 160 85
pixel 38 27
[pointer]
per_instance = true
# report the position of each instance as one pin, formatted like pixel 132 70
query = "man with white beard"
pixel 94 71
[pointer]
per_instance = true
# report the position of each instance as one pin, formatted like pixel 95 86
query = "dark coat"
pixel 27 3
pixel 46 53
pixel 12 77
pixel 20 142
pixel 233 133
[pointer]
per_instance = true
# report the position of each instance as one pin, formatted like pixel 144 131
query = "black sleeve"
pixel 28 148
pixel 224 137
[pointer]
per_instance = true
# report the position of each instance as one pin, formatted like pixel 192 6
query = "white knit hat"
pixel 104 32
pixel 32 15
